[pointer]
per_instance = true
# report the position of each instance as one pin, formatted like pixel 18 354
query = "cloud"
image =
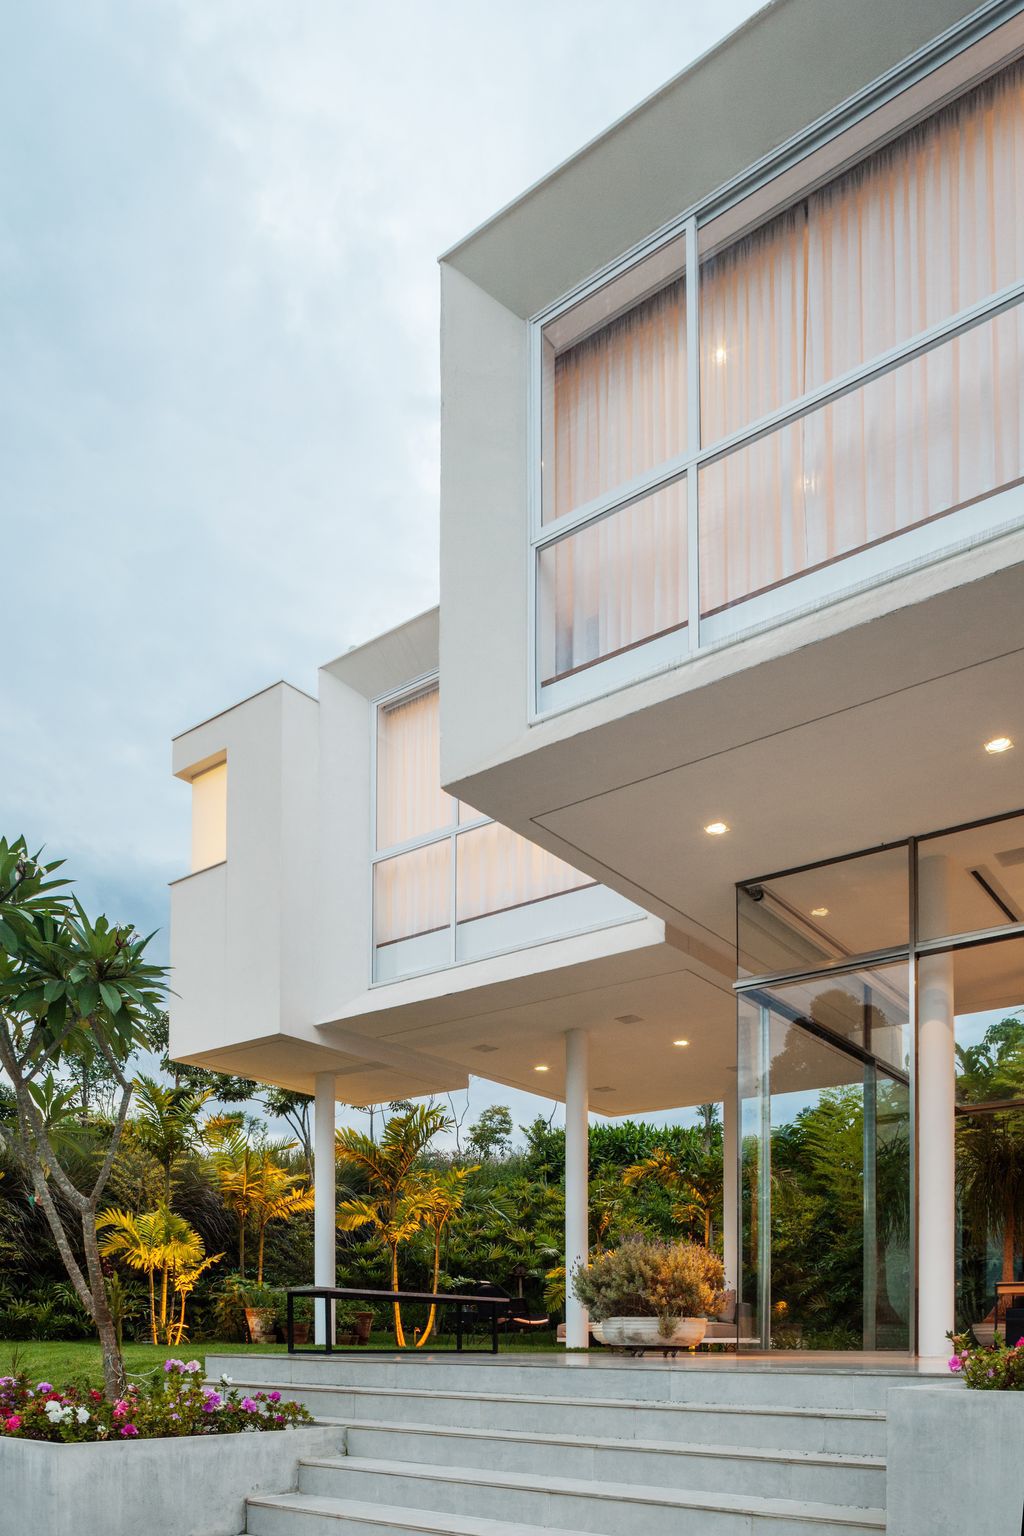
pixel 219 392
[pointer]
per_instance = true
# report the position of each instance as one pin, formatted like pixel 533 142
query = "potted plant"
pixel 651 1293
pixel 261 1304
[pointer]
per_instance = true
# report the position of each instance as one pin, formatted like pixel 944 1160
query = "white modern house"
pixel 705 782
pixel 350 930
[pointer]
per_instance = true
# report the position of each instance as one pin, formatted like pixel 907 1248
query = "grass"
pixel 79 1359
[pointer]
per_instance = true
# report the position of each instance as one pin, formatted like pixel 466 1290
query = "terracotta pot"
pixel 260 1322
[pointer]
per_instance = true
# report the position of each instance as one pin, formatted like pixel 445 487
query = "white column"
pixel 577 1185
pixel 936 1097
pixel 324 1236
pixel 730 1187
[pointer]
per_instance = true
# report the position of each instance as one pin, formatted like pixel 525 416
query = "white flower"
pixel 82 1415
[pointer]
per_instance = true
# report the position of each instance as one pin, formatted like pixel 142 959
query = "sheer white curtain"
pixel 614 584
pixel 411 893
pixel 497 870
pixel 618 411
pixel 410 801
pixel 922 229
pixel 620 400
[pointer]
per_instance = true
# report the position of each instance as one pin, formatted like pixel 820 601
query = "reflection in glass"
pixel 988 988
pixel 411 907
pixel 972 880
pixel 826 914
pixel 410 800
pixel 826 1162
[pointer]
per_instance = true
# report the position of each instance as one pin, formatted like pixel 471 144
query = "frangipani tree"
pixel 69 987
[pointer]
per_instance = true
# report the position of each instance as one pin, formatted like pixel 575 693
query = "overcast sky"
pixel 219 225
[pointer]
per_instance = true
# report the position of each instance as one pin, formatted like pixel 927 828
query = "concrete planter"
pixel 955 1462
pixel 645 1333
pixel 187 1487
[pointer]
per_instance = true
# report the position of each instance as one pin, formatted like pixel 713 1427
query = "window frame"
pixel 427 682
pixel 646 658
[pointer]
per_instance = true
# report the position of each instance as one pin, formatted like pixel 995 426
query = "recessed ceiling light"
pixel 680 1042
pixel 819 911
pixel 541 1069
pixel 998 744
pixel 716 828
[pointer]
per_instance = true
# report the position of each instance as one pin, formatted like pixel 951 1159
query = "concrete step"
pixel 813 1476
pixel 714 1379
pixel 304 1515
pixel 839 1431
pixel 597 1506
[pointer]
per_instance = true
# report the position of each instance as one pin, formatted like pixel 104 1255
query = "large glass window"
pixel 449 885
pixel 856 395
pixel 615 380
pixel 614 584
pixel 972 879
pixel 830 958
pixel 824 915
pixel 924 228
pixel 829 1161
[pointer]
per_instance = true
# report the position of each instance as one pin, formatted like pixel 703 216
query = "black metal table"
pixel 328 1294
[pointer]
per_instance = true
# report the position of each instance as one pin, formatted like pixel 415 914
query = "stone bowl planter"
pixel 645 1333
pixel 194 1486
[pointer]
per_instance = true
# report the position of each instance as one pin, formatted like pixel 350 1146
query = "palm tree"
pixel 167 1122
pixel 155 1240
pixel 443 1195
pixel 236 1166
pixel 185 1282
pixel 276 1194
pixel 394 1205
pixel 696 1189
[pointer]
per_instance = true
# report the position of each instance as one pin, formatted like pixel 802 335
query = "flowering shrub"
pixel 988 1368
pixel 651 1279
pixel 175 1401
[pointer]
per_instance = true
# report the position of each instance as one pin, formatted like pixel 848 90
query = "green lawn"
pixel 80 1360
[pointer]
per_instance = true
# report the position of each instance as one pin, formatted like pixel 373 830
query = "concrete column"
pixel 730 1187
pixel 324 1233
pixel 577 1181
pixel 936 1097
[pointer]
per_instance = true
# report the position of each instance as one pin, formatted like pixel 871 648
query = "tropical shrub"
pixel 993 1367
pixel 175 1403
pixel 651 1279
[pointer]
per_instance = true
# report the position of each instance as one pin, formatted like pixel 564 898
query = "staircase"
pixel 562 1445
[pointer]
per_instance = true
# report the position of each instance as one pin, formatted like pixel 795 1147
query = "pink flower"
pixel 128 1429
pixel 956 1363
pixel 248 1405
pixel 120 1408
pixel 45 1386
pixel 274 1397
pixel 12 1423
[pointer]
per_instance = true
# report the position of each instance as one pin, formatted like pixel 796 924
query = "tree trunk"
pixel 113 1365
pixel 1009 1242
pixel 241 1246
pixel 163 1299
pixel 399 1332
pixel 259 1257
pixel 152 1307
pixel 425 1335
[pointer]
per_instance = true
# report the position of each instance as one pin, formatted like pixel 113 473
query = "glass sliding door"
pixel 826 1160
